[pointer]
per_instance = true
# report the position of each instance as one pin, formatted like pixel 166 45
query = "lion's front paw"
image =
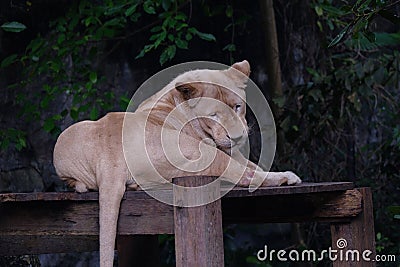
pixel 292 178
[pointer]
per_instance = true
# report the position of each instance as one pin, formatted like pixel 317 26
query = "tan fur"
pixel 89 154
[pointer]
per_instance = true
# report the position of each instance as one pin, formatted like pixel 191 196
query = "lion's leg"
pixel 192 157
pixel 110 195
pixel 237 155
pixel 236 169
pixel 188 156
pixel 278 178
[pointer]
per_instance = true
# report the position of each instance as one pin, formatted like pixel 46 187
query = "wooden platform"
pixel 35 223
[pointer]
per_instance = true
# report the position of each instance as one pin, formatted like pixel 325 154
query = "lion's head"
pixel 215 104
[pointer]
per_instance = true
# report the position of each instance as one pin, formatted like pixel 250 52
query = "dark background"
pixel 337 115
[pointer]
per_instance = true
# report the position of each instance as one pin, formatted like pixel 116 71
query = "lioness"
pixel 89 155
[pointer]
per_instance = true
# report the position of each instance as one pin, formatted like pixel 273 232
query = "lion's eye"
pixel 237 107
pixel 213 115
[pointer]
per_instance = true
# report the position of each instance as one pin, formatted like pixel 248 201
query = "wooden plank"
pixel 235 192
pixel 303 188
pixel 145 216
pixel 36 244
pixel 346 204
pixel 358 234
pixel 64 196
pixel 322 206
pixel 198 230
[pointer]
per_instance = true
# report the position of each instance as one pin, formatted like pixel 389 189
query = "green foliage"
pixel 354 18
pixel 382 242
pixel 67 60
pixel 13 26
pixel 174 31
pixel 343 123
pixel 12 136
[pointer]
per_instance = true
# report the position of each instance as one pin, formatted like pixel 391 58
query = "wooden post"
pixel 359 235
pixel 198 230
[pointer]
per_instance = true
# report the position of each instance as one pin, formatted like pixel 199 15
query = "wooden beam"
pixel 137 216
pixel 303 188
pixel 139 195
pixel 198 230
pixel 358 234
pixel 12 245
pixel 321 206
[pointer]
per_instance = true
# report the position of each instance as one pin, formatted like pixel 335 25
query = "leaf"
pixel 166 4
pixel 181 17
pixel 387 39
pixel 8 61
pixel 49 125
pixel 181 26
pixel 94 113
pixel 61 38
pixel 229 11
pixel 319 24
pixel 379 75
pixel 20 144
pixel 156 28
pixel 333 11
pixel 230 48
pixel 13 26
pixel 359 70
pixel 379 236
pixel 339 37
pixel 135 17
pixel 205 36
pixel 57 117
pixel 113 22
pixel 167 54
pixel 93 77
pixel 74 113
pixel 124 102
pixel 182 44
pixel 188 37
pixel 114 10
pixel 130 10
pixel 279 101
pixel 319 11
pixel 141 54
pixel 363 7
pixel 149 8
pixel 313 72
pixel 35 45
pixel 316 94
pixel 44 103
pixel 394 210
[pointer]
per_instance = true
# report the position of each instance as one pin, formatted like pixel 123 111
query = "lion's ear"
pixel 187 90
pixel 243 67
